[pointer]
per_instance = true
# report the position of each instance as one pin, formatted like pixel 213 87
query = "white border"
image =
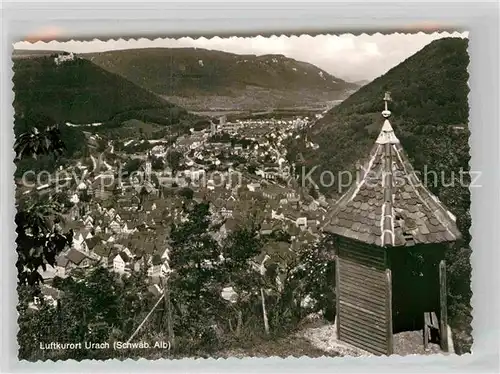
pixel 90 19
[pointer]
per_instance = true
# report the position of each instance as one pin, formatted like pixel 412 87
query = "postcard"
pixel 243 197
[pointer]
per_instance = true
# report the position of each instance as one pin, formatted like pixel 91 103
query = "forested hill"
pixel 430 117
pixel 429 87
pixel 80 92
pixel 429 92
pixel 202 77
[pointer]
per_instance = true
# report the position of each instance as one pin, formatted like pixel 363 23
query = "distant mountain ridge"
pixel 204 79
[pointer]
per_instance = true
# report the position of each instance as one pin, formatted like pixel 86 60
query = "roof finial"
pixel 387 113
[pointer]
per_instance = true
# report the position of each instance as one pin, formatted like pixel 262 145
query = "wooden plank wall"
pixel 362 297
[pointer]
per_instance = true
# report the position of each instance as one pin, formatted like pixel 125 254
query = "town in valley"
pixel 188 200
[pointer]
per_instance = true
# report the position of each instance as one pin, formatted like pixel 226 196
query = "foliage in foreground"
pixel 100 306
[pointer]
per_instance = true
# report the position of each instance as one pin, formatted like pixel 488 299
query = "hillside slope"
pixel 429 87
pixel 430 117
pixel 80 92
pixel 77 91
pixel 429 92
pixel 204 79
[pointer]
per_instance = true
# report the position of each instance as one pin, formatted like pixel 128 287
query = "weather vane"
pixel 387 113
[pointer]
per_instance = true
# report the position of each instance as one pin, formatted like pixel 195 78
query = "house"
pixel 78 240
pixel 227 209
pixel 47 274
pixel 253 186
pixel 92 242
pixel 293 215
pixel 140 263
pixel 77 258
pixel 128 268
pixel 273 191
pixel 266 228
pixel 115 226
pixel 210 184
pixel 127 252
pixel 277 214
pixel 64 57
pixel 118 262
pixel 74 212
pixel 87 234
pixel 102 251
pixel 103 185
pixel 270 173
pixel 229 294
pixel 110 213
pixel 125 230
pixel 157 272
pixel 88 221
pixel 50 296
pixel 61 265
pixel 229 226
pixel 313 229
pixel 51 293
pixel 301 222
pixel 195 174
pixel 166 253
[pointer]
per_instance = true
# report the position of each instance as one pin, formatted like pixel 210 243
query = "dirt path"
pixel 320 340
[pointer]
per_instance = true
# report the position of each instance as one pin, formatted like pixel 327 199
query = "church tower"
pixel 213 127
pixel 148 167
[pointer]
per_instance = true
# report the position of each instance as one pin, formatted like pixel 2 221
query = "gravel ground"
pixel 411 342
pixel 324 338
pixel 320 339
pixel 405 343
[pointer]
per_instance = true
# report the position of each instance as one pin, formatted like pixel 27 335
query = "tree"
pixel 102 144
pixel 313 192
pixel 174 159
pixel 62 199
pixel 238 250
pixel 96 306
pixel 194 286
pixel 187 193
pixel 39 237
pixel 252 168
pixel 314 276
pixel 132 166
pixel 157 164
pixel 34 143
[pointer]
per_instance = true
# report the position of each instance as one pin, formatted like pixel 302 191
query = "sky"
pixel 349 57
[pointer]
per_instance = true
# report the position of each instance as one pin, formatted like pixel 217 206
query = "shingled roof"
pixel 388 205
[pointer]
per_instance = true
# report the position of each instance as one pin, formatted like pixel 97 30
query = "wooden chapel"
pixel 390 234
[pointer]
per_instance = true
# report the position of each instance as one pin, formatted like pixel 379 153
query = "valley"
pixel 186 178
